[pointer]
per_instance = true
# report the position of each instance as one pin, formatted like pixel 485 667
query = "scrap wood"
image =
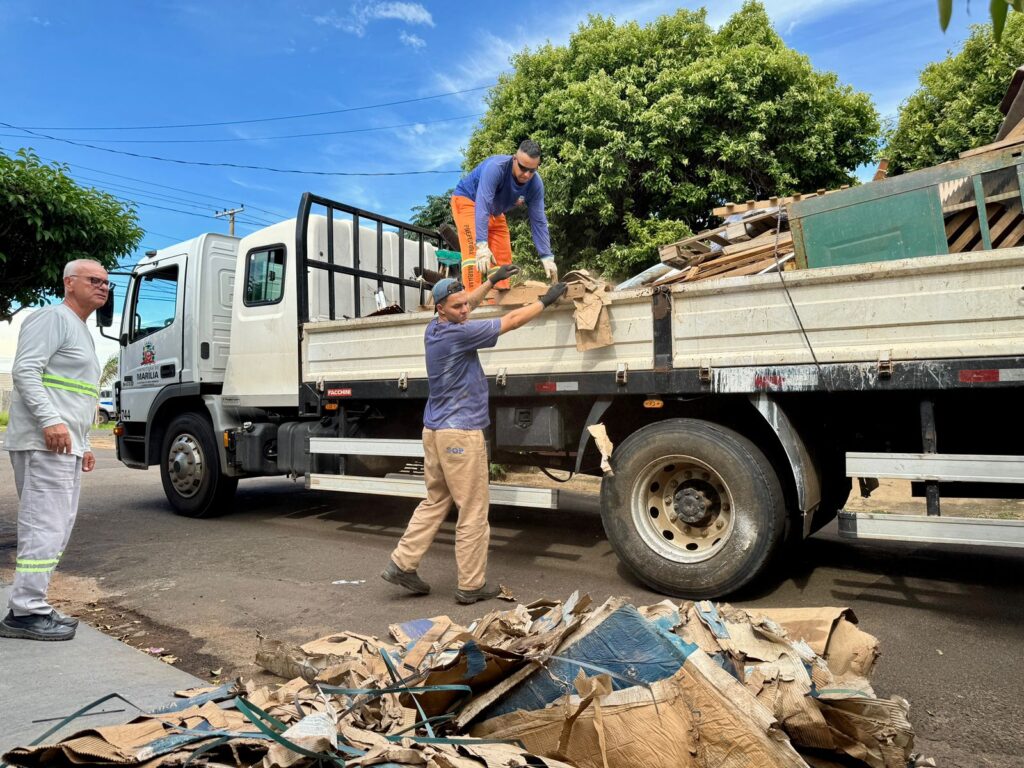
pixel 772 202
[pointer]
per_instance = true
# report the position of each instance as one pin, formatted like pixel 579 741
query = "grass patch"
pixel 3 419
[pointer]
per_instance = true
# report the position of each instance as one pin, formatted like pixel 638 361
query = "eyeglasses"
pixel 525 168
pixel 96 282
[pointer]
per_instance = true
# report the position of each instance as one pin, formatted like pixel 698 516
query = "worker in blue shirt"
pixel 455 465
pixel 479 203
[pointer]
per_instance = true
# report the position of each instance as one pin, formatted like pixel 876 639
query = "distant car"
pixel 105 410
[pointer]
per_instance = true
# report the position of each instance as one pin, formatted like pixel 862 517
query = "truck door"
pixel 152 327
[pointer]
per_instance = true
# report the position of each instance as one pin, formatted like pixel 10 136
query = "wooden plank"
pixel 767 239
pixel 962 243
pixel 712 269
pixel 772 202
pixel 1015 236
pixel 954 223
pixel 1001 222
pixel 994 146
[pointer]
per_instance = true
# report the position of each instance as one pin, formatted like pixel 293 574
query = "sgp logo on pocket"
pixel 455 450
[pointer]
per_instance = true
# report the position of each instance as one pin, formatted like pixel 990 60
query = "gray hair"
pixel 530 148
pixel 71 266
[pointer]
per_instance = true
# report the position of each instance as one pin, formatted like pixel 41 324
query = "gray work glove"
pixel 553 294
pixel 503 272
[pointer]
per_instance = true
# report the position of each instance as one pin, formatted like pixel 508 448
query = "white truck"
pixel 739 409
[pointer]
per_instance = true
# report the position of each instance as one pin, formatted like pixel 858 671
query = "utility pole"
pixel 231 217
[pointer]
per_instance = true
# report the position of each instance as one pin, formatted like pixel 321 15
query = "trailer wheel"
pixel 694 509
pixel 190 469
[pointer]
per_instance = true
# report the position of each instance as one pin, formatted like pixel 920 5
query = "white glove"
pixel 550 270
pixel 484 258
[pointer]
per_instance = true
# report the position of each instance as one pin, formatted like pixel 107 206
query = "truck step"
pixel 414 487
pixel 924 528
pixel 948 467
pixel 366 446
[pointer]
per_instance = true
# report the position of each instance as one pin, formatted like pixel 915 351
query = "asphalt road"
pixel 950 621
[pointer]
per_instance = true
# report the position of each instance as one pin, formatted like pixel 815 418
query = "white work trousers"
pixel 48 484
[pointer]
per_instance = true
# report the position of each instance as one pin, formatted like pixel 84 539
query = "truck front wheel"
pixel 694 509
pixel 190 469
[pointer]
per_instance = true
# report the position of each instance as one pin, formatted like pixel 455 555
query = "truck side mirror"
pixel 105 314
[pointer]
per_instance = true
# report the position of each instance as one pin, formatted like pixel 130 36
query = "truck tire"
pixel 694 509
pixel 190 469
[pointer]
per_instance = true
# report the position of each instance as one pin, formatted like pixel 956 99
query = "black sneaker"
pixel 36 626
pixel 62 618
pixel 470 596
pixel 406 579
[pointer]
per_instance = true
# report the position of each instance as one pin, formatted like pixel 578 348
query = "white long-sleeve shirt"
pixel 56 380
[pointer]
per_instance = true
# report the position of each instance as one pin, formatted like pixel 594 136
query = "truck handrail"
pixel 305 263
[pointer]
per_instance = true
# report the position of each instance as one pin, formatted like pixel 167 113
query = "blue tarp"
pixel 634 650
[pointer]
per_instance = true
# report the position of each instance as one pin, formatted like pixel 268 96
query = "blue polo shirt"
pixel 458 387
pixel 495 191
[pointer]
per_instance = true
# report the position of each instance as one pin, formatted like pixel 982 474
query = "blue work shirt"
pixel 458 387
pixel 495 190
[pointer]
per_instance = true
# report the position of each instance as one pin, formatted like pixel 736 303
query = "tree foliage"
pixel 956 106
pixel 437 210
pixel 644 129
pixel 47 220
pixel 110 369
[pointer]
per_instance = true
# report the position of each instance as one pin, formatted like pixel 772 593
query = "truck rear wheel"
pixel 694 509
pixel 190 469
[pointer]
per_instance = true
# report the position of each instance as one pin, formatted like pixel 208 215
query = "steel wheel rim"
pixel 186 465
pixel 695 495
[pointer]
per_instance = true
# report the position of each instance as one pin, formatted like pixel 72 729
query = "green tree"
pixel 109 372
pixel 437 210
pixel 645 129
pixel 956 106
pixel 47 220
pixel 998 10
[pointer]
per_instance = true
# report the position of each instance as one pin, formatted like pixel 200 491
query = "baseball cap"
pixel 444 288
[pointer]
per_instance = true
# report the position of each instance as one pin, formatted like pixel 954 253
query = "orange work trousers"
pixel 464 211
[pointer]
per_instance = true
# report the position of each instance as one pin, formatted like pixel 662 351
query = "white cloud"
pixel 41 22
pixel 360 15
pixel 413 41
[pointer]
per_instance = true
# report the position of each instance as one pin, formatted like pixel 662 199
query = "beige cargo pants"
pixel 455 468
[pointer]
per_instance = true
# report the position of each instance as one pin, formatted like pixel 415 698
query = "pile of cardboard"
pixel 690 685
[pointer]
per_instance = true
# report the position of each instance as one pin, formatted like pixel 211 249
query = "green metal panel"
pixel 893 227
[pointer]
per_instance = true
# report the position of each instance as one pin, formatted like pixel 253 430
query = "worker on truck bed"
pixel 479 202
pixel 56 384
pixel 455 462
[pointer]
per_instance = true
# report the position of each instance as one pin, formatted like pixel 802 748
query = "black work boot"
pixel 407 579
pixel 470 596
pixel 36 626
pixel 63 618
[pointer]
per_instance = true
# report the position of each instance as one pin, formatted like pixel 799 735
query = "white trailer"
pixel 739 408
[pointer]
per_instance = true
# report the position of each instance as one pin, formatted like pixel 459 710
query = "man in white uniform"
pixel 56 385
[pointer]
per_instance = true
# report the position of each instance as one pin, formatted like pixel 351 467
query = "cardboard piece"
pixel 694 719
pixel 604 445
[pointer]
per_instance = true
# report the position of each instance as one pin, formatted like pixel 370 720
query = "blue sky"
pixel 90 66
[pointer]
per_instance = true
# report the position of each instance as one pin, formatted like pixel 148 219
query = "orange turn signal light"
pixel 330 406
pixel 654 402
pixel 118 430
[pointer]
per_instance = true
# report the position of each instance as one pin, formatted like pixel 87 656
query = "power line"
pixel 263 119
pixel 278 214
pixel 265 138
pixel 299 171
pixel 108 185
